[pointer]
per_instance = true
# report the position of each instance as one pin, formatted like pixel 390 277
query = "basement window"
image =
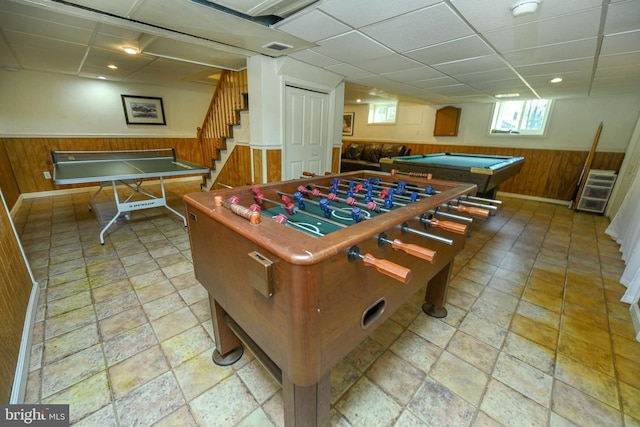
pixel 524 117
pixel 382 113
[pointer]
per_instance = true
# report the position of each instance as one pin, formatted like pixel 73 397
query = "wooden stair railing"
pixel 228 100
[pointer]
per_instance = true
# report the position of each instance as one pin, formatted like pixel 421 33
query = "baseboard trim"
pixel 19 389
pixel 634 310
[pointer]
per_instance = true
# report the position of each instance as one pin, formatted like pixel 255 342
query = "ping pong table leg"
pixel 164 199
pixel 94 196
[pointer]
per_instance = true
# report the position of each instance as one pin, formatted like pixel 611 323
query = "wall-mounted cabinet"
pixel 597 190
pixel 447 121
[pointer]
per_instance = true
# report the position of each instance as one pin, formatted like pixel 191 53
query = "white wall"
pixel 573 125
pixel 36 104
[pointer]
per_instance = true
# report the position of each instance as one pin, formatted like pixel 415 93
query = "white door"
pixel 306 133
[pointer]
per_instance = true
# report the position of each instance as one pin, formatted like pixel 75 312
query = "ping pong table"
pixel 126 167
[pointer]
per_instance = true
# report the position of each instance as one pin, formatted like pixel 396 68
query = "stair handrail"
pixel 228 100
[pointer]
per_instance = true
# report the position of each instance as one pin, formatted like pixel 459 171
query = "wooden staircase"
pixel 216 136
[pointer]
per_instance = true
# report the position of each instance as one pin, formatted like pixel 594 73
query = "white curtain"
pixel 625 229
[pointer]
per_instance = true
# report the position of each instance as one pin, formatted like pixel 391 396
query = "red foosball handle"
pixel 247 213
pixel 453 227
pixel 388 268
pixel 415 250
pixel 479 212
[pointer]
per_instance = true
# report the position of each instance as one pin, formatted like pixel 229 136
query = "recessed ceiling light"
pixel 358 100
pixel 556 80
pixel 131 50
pixel 507 95
pixel 102 77
pixel 113 67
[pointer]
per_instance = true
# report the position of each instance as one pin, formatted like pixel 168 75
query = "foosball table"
pixel 302 271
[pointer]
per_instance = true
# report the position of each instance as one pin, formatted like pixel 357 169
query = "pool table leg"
pixel 437 292
pixel 307 406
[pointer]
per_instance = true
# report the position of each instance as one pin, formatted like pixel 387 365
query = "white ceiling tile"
pixel 414 74
pixel 349 71
pixel 434 24
pixel 621 43
pixel 389 64
pixel 471 65
pixel 313 26
pixel 314 58
pixel 42 54
pixel 556 68
pixel 560 29
pixel 73 30
pixel 557 52
pixel 359 13
pixel 453 50
pixel 352 47
pixel 623 16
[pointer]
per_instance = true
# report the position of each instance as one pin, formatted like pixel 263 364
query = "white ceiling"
pixel 432 51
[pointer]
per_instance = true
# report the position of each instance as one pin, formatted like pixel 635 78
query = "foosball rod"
pixel 291 211
pixel 420 190
pixel 430 176
pixel 405 228
pixel 459 208
pixel 474 211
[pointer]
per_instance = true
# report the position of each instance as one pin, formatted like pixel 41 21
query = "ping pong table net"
pixel 112 155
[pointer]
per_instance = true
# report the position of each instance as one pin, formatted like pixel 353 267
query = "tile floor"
pixel 536 335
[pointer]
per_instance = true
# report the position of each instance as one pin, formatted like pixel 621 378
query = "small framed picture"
pixel 347 123
pixel 143 110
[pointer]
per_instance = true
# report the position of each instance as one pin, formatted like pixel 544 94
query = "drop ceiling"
pixel 430 51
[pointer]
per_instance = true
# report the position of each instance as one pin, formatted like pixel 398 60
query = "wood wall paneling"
pixel 274 165
pixel 8 182
pixel 236 171
pixel 15 290
pixel 257 166
pixel 551 174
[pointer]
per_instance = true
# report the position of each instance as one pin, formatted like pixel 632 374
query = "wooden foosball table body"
pixel 303 301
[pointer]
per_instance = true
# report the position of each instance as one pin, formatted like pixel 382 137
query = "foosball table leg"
pixel 229 349
pixel 307 406
pixel 437 292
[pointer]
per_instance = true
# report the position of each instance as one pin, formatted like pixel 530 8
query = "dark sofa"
pixel 366 156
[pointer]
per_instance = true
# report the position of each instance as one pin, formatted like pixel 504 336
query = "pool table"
pixel 486 171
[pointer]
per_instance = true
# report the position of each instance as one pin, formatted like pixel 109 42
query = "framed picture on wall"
pixel 347 123
pixel 143 110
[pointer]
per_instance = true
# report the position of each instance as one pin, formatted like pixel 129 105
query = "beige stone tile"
pixel 435 404
pixel 582 409
pixel 186 345
pixel 387 333
pixel 226 404
pixel 365 404
pixel 628 370
pixel 506 405
pixel 534 331
pixel 121 322
pixel 111 290
pixel 487 332
pixel 199 374
pixel 461 377
pixel 588 333
pixel 260 383
pixel 84 397
pixel 69 303
pixel 365 353
pixel 584 315
pixel 396 377
pixel 534 354
pixel 491 312
pixel 67 322
pixel 630 401
pixel 163 306
pixel 72 369
pixel 588 380
pixel 150 402
pixel 584 352
pixel 128 343
pixel 524 378
pixel 182 417
pixel 432 329
pixel 473 351
pixel 116 304
pixel 137 370
pixel 69 343
pixel 418 351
